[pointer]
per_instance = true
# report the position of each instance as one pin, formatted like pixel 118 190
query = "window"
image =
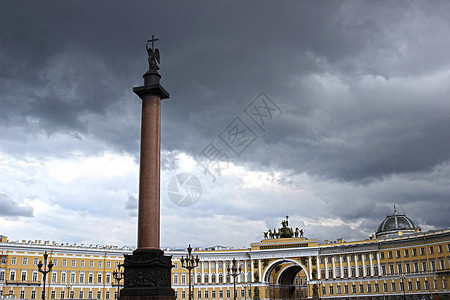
pixel 36 261
pixel 441 264
pixel 12 275
pixel 322 273
pixel 418 285
pixel 424 266
pixel 382 255
pixel 175 278
pixel 108 265
pixel 91 278
pixel 62 295
pixel 366 257
pixel 338 289
pixel 72 277
pixel 324 291
pixel 406 253
pixel 53 295
pixel 377 288
pixel 80 295
pixel 338 272
pixel 183 278
pixel 329 259
pixel 24 276
pixel 82 263
pixel 336 258
pixel 360 271
pixel 433 265
pixel 22 294
pixel 25 261
pixel 399 268
pixel 435 283
pixel 91 264
pixel 385 287
pixel 407 268
pixel 221 294
pixel 383 269
pixel 359 257
pixel 444 283
pixel 220 265
pixel 33 294
pixel 2 275
pixel 375 270
pixel 99 295
pixel 361 289
pixel 345 289
pixel 402 287
pixel 322 260
pixel 72 295
pixel 331 290
pixel 13 260
pixel 99 277
pixel 74 263
pixel 35 276
pixel 100 264
pixel 390 254
pixel 345 272
pixel 414 252
pixel 391 269
pixel 81 277
pixel 353 271
pixel 409 286
pixel 206 295
pixel 90 295
pixel 213 294
pixel 416 267
pixel 330 272
pixel 107 295
pixel 398 253
pixel 183 295
pixel 369 288
pixel 63 277
pixel 199 294
pixel 64 262
pixel 220 278
pixel 422 251
pixel 368 272
pixel 108 278
pixel 426 285
pixel 393 286
pixel 213 278
pixel 431 250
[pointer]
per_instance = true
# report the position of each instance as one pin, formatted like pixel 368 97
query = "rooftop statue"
pixel 153 55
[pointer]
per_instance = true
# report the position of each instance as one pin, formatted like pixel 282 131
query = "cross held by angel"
pixel 153 55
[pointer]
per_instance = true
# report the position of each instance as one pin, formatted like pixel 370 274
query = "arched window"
pixel 220 278
pixel 228 278
pixel 338 272
pixel 213 278
pixel 206 278
pixel 322 273
pixel 330 273
pixel 199 278
pixel 353 271
pixel 242 277
pixel 345 272
pixel 360 271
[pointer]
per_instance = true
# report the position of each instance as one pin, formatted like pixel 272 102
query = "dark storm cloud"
pixel 11 208
pixel 360 85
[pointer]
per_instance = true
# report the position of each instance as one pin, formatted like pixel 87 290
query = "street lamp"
pixel 402 277
pixel 246 285
pixel 320 288
pixel 44 271
pixel 118 275
pixel 190 263
pixel 234 271
pixel 68 286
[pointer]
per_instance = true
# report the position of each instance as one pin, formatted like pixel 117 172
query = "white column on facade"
pixel 356 266
pixel 310 267
pixel 260 275
pixel 334 266
pixel 203 272
pixel 341 266
pixel 318 268
pixel 195 275
pixel 209 272
pixel 364 265
pixel 326 267
pixel 217 270
pixel 349 270
pixel 379 264
pixel 252 270
pixel 371 264
pixel 245 271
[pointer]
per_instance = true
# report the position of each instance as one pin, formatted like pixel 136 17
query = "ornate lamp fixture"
pixel 234 271
pixel 44 271
pixel 118 275
pixel 190 263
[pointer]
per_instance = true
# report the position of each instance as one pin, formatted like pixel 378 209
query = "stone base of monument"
pixel 147 276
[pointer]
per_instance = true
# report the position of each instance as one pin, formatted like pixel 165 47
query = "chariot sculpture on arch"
pixel 153 55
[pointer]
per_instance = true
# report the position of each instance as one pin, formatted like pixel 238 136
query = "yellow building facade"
pixel 397 262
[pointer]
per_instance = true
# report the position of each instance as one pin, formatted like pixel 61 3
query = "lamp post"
pixel 44 271
pixel 320 288
pixel 68 286
pixel 190 263
pixel 402 278
pixel 246 285
pixel 118 275
pixel 234 271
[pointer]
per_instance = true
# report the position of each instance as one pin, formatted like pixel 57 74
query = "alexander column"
pixel 147 272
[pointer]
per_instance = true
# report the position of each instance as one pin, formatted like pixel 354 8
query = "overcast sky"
pixel 329 112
